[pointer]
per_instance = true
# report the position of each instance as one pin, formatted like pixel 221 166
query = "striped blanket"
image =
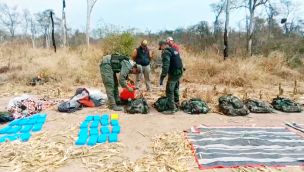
pixel 246 147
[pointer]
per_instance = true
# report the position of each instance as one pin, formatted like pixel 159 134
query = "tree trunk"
pixel 250 34
pixel 64 26
pixel 88 22
pixel 64 30
pixel 33 42
pixel 226 46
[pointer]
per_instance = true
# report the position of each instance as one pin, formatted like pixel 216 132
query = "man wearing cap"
pixel 172 44
pixel 173 67
pixel 109 67
pixel 142 57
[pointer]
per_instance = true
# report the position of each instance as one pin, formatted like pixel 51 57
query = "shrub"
pixel 118 43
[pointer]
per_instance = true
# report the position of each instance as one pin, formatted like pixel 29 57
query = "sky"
pixel 153 15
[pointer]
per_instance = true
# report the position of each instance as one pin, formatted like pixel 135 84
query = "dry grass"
pixel 207 75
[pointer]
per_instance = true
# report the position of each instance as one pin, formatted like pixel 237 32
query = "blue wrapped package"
pixel 31 121
pixel 82 139
pixel 116 129
pixel 105 130
pixel 23 121
pixel 93 131
pixel 85 124
pixel 26 128
pixel 104 122
pixel 102 138
pixel 13 129
pixel 94 124
pixel 4 130
pixel 25 137
pixel 2 139
pixel 12 137
pixel 90 118
pixel 105 116
pixel 83 131
pixel 37 127
pixel 97 118
pixel 15 122
pixel 40 120
pixel 114 122
pixel 113 138
pixel 92 140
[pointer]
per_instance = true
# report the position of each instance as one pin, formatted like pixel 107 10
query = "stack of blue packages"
pixel 22 128
pixel 98 129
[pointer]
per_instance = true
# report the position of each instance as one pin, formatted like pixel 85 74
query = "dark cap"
pixel 160 43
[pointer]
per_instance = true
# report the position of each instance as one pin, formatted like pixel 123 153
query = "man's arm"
pixel 134 54
pixel 166 63
pixel 123 76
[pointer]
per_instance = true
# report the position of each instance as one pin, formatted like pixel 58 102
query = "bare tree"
pixel 64 26
pixel 226 48
pixel 218 9
pixel 44 21
pixel 252 5
pixel 9 17
pixel 33 31
pixel 271 13
pixel 26 21
pixel 90 5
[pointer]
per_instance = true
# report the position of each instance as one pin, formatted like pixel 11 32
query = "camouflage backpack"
pixel 161 104
pixel 138 106
pixel 232 106
pixel 258 106
pixel 195 106
pixel 286 105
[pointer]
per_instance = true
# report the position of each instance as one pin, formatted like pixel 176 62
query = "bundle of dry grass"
pixel 45 152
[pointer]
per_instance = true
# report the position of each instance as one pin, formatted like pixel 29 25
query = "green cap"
pixel 162 42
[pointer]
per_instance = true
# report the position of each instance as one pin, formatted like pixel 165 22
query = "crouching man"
pixel 173 67
pixel 109 67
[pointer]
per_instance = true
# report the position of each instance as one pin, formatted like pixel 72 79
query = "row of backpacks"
pixel 229 105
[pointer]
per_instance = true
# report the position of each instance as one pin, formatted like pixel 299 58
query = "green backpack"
pixel 195 106
pixel 286 105
pixel 258 106
pixel 161 104
pixel 232 106
pixel 138 106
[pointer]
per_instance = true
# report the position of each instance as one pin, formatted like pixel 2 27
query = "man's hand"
pixel 130 89
pixel 161 80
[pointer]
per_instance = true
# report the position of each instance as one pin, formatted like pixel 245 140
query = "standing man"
pixel 109 67
pixel 173 67
pixel 142 57
pixel 172 44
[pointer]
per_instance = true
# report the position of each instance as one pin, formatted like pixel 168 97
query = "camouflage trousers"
pixel 110 82
pixel 172 91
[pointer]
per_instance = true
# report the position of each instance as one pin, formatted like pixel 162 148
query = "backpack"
pixel 258 106
pixel 138 106
pixel 232 106
pixel 5 117
pixel 195 106
pixel 69 107
pixel 161 104
pixel 286 105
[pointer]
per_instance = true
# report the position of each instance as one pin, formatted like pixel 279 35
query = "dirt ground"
pixel 137 130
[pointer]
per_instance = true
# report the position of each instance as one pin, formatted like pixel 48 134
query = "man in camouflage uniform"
pixel 173 67
pixel 109 67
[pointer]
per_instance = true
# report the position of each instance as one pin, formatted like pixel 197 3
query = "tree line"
pixel 268 25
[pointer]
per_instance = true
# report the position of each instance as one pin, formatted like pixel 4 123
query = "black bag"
pixel 232 106
pixel 138 106
pixel 195 106
pixel 258 106
pixel 161 104
pixel 286 105
pixel 69 107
